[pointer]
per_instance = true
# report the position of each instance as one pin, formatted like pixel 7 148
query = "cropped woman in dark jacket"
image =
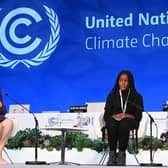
pixel 123 112
pixel 6 126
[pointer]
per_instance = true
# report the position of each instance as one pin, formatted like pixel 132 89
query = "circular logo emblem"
pixel 12 21
pixel 53 121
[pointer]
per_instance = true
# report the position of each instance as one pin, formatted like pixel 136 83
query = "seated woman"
pixel 6 126
pixel 122 115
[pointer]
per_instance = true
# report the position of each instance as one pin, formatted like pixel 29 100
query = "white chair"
pixel 95 107
pixel 141 130
pixel 135 135
pixel 143 126
pixel 17 108
pixel 98 124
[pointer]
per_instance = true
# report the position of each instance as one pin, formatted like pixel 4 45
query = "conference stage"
pixel 54 54
pixel 87 157
pixel 66 166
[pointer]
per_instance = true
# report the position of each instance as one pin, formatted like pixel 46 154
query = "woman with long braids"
pixel 122 115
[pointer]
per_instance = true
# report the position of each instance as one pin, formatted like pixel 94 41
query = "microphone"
pixel 141 108
pixel 16 102
pixel 151 148
pixel 36 162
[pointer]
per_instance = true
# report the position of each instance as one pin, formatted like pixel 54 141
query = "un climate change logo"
pixel 44 54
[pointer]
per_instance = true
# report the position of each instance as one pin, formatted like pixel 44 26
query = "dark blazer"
pixel 113 105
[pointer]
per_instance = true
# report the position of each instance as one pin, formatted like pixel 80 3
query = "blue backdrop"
pixel 54 54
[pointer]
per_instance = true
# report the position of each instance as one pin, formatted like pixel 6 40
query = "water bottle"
pixel 78 118
pixel 59 120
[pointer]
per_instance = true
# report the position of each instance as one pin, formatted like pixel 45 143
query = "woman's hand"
pixel 121 116
pixel 130 116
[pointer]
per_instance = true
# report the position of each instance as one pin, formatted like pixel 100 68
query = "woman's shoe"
pixel 121 158
pixel 112 158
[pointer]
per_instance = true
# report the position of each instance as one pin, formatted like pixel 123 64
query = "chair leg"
pixel 103 158
pixel 8 156
pixel 136 158
pixel 133 143
pixel 134 154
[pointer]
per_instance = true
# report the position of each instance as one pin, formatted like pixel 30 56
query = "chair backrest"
pixel 16 108
pixel 95 107
pixel 143 126
pixel 98 124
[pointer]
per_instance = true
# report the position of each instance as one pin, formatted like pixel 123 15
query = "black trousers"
pixel 118 132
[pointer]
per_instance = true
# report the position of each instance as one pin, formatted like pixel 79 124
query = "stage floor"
pixel 19 165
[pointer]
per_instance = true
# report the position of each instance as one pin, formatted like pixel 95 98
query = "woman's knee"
pixel 1 126
pixel 124 126
pixel 111 124
pixel 128 124
pixel 7 123
pixel 1 129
